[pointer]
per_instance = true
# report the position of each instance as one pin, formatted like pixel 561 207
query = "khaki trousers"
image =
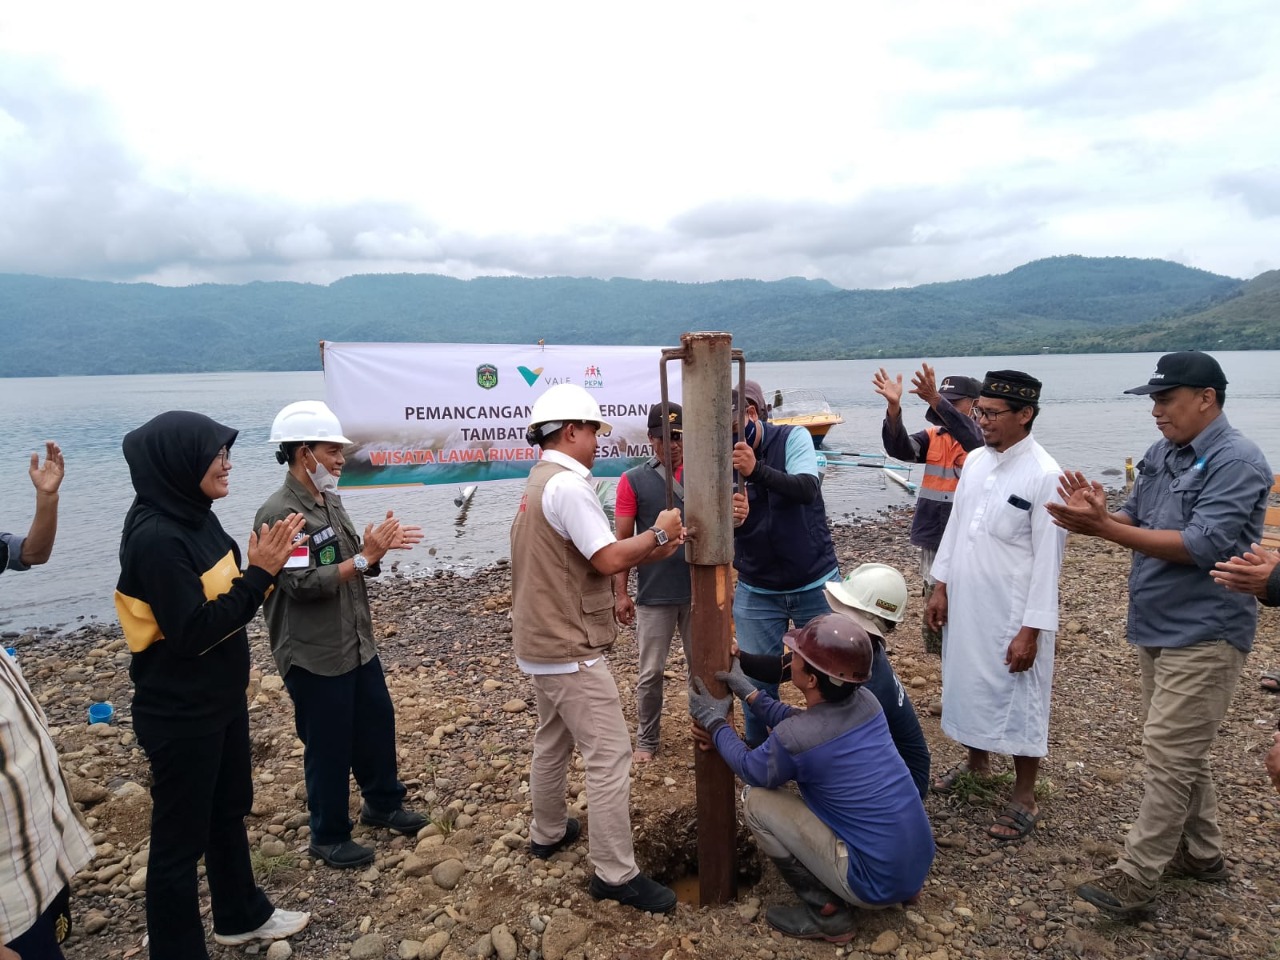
pixel 582 708
pixel 785 827
pixel 1185 695
pixel 655 625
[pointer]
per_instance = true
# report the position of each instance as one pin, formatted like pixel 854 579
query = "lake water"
pixel 1086 423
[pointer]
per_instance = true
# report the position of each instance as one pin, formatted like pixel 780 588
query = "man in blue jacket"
pixel 783 551
pixel 857 835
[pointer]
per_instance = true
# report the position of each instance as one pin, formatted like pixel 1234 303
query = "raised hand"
pixel 888 387
pixel 925 385
pixel 270 547
pixel 47 477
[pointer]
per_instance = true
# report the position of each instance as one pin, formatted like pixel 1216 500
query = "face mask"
pixel 325 481
pixel 749 433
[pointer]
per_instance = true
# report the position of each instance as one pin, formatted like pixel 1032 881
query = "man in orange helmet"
pixel 857 835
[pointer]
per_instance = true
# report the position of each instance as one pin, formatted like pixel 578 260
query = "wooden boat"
pixel 804 407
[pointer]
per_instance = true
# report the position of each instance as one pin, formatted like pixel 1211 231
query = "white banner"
pixel 421 413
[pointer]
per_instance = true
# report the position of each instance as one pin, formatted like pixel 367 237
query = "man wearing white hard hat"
pixel 322 640
pixel 563 557
pixel 875 597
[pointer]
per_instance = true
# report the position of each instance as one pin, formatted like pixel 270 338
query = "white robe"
pixel 1000 564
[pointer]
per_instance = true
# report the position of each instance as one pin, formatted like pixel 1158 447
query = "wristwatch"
pixel 660 534
pixel 361 562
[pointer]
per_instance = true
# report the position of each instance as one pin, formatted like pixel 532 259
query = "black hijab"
pixel 168 456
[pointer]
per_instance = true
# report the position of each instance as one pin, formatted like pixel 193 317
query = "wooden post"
pixel 706 371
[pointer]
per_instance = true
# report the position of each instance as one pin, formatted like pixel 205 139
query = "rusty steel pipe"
pixel 706 378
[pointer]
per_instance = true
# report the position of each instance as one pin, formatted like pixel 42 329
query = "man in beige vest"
pixel 563 555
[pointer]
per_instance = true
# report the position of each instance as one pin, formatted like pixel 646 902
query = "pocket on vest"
pixel 597 616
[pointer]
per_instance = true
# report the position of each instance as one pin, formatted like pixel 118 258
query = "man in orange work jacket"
pixel 941 448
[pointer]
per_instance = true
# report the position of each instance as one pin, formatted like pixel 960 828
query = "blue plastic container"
pixel 101 713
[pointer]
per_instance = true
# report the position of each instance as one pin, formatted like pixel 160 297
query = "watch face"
pixel 661 535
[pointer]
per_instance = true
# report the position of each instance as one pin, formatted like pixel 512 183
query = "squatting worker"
pixel 997 595
pixel 563 556
pixel 183 603
pixel 43 841
pixel 322 640
pixel 942 448
pixel 1199 499
pixel 783 552
pixel 857 835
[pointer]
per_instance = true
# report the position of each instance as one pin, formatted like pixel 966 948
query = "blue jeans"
pixel 759 621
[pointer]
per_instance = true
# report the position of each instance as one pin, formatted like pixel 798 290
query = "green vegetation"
pixel 1063 304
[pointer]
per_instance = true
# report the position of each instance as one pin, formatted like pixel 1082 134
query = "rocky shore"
pixel 466 888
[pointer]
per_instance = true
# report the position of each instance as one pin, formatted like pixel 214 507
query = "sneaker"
pixel 348 853
pixel 639 892
pixel 545 851
pixel 1117 892
pixel 281 924
pixel 400 820
pixel 1184 864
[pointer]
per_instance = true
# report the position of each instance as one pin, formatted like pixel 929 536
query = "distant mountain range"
pixel 1063 304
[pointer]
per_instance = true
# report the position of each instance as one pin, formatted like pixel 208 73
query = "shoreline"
pixel 466 887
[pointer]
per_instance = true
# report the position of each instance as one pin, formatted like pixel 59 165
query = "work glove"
pixel 736 680
pixel 709 712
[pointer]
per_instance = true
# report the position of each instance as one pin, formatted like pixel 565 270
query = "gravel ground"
pixel 466 888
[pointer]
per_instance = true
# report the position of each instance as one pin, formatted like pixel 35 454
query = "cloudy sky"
pixel 870 144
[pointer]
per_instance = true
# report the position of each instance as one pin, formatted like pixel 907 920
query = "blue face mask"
pixel 749 433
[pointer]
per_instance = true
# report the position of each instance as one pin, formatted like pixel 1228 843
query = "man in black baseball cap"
pixel 1190 368
pixel 1199 499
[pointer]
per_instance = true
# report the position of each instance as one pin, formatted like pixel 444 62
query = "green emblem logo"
pixel 487 375
pixel 328 555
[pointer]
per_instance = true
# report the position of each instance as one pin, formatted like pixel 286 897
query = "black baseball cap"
pixel 674 414
pixel 1188 368
pixel 960 388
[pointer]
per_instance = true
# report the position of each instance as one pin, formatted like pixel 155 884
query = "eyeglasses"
pixel 587 425
pixel 224 455
pixel 677 436
pixel 986 413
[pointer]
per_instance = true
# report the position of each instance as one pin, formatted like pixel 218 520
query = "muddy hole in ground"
pixel 666 844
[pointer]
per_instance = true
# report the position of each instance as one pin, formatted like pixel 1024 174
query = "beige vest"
pixel 561 608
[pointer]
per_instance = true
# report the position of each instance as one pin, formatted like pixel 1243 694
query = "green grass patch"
pixel 265 867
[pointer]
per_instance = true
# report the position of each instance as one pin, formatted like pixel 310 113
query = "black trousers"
pixel 201 791
pixel 41 939
pixel 347 725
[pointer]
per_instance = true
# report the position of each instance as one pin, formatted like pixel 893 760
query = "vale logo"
pixel 530 376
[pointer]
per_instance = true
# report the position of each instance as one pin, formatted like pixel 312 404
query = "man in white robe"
pixel 997 598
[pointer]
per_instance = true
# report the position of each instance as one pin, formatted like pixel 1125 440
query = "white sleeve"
pixel 574 512
pixel 1047 543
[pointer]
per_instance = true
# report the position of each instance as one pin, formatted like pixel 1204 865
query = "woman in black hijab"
pixel 183 602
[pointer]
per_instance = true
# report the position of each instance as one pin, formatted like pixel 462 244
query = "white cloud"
pixel 869 145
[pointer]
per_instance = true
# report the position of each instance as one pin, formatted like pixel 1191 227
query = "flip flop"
pixel 1013 817
pixel 947 782
pixel 1270 682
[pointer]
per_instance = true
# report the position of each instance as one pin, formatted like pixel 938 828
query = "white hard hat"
pixel 562 403
pixel 873 588
pixel 307 421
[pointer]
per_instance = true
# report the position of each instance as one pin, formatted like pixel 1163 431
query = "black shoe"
pixel 639 892
pixel 835 923
pixel 400 820
pixel 348 853
pixel 545 851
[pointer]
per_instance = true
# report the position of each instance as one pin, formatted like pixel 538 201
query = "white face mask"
pixel 325 481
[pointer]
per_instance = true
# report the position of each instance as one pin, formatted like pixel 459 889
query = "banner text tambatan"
pixel 422 413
